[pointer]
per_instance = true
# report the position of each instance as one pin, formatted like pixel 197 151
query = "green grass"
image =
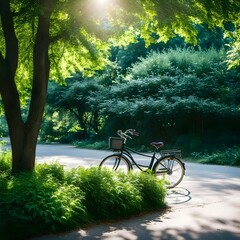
pixel 52 199
pixel 91 144
pixel 226 156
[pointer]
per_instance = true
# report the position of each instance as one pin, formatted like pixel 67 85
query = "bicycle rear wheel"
pixel 116 162
pixel 171 169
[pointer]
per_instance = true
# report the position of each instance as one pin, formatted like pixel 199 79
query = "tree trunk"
pixel 23 136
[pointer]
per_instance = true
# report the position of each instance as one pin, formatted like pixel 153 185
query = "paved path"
pixel 206 205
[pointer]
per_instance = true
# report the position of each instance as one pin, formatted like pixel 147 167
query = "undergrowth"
pixel 91 144
pixel 52 199
pixel 227 156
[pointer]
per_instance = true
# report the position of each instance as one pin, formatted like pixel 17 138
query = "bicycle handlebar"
pixel 125 134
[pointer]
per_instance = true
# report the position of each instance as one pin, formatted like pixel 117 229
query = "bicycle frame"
pixel 126 151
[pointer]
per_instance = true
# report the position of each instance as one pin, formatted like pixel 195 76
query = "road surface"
pixel 206 205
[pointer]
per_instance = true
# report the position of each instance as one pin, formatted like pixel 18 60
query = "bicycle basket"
pixel 172 152
pixel 115 143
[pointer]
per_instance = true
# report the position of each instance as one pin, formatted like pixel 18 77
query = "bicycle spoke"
pixel 171 170
pixel 176 169
pixel 116 163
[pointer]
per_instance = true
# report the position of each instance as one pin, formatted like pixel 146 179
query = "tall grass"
pixel 51 199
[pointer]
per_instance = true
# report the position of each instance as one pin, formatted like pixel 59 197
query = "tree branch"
pixel 8 67
pixel 41 65
pixel 10 36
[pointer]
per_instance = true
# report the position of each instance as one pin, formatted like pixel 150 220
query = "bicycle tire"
pixel 171 169
pixel 116 162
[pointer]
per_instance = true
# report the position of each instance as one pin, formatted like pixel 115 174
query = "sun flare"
pixel 102 1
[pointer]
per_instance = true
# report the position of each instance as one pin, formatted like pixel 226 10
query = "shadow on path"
pixel 178 195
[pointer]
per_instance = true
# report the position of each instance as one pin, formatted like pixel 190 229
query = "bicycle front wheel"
pixel 116 162
pixel 171 169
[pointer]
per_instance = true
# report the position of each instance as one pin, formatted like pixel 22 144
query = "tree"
pixel 184 16
pixel 24 135
pixel 75 35
pixel 31 33
pixel 74 98
pixel 176 95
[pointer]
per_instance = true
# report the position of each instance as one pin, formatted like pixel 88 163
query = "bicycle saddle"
pixel 157 144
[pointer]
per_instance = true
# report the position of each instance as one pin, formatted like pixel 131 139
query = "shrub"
pixel 228 156
pixel 51 199
pixel 5 162
pixel 114 195
pixel 152 192
pixel 90 144
pixel 177 62
pixel 40 204
pixel 55 170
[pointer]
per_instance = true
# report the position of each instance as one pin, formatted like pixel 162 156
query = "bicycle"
pixel 165 164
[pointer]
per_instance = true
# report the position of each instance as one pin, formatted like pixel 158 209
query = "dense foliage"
pixel 185 97
pixel 52 39
pixel 52 199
